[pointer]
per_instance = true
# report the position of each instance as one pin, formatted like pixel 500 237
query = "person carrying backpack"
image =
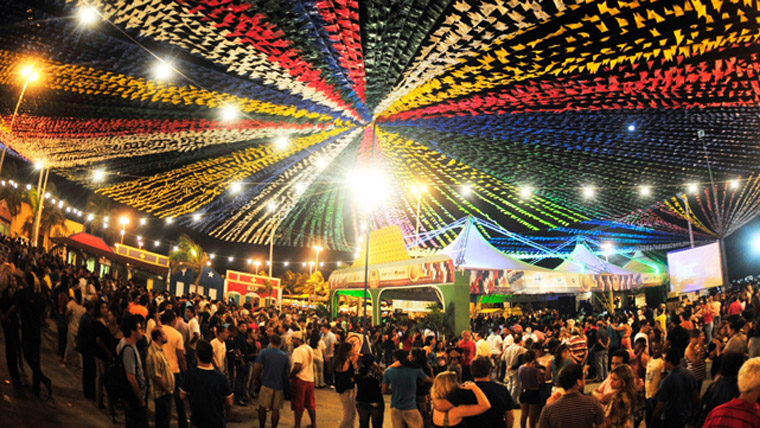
pixel 136 411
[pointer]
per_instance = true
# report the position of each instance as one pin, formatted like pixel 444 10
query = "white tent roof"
pixel 641 263
pixel 471 250
pixel 582 260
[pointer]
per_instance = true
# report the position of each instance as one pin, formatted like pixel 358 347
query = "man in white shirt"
pixel 174 349
pixel 302 381
pixel 482 347
pixel 510 357
pixel 495 341
pixel 329 337
pixel 220 347
pixel 507 341
pixel 195 335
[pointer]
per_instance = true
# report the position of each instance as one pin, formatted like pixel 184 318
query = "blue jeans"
pixel 600 363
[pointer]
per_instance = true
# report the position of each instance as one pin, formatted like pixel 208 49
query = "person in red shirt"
pixel 742 412
pixel 468 353
pixel 735 308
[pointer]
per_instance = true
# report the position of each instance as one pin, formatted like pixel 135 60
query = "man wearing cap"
pixel 302 381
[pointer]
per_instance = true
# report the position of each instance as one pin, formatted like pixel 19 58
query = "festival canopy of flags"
pixel 608 119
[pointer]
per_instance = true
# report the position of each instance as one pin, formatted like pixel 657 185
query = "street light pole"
pixel 41 188
pixel 317 248
pixel 417 217
pixel 31 76
pixel 366 274
pixel 688 219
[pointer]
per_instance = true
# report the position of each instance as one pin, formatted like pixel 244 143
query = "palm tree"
pixel 51 216
pixel 188 255
pixel 13 195
pixel 100 207
pixel 315 286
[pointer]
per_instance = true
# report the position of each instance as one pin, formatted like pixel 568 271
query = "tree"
pixel 100 207
pixel 293 282
pixel 439 321
pixel 51 216
pixel 13 195
pixel 188 255
pixel 314 286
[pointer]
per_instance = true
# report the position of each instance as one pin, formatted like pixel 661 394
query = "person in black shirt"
pixel 500 414
pixel 678 337
pixel 9 319
pixel 85 337
pixel 31 308
pixel 208 390
pixel 242 366
pixel 100 346
pixel 369 395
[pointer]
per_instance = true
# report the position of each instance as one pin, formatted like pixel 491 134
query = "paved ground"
pixel 69 407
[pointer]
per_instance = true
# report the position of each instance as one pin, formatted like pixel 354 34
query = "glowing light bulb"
pixel 230 113
pixel 645 190
pixel 588 192
pixel 88 15
pixel 162 70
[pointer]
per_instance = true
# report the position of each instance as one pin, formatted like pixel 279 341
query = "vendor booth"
pixel 394 275
pixel 471 269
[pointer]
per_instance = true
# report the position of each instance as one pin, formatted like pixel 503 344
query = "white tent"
pixel 641 263
pixel 582 260
pixel 470 250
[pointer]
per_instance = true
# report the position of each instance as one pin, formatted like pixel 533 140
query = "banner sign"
pixel 437 269
pixel 142 255
pixel 244 283
pixel 536 282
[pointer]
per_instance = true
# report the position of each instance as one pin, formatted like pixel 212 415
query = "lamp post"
pixel 30 75
pixel 418 190
pixel 366 273
pixel 124 221
pixel 41 187
pixel 317 248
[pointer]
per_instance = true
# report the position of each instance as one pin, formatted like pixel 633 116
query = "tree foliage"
pixel 188 255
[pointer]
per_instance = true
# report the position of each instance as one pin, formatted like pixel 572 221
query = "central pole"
pixel 688 219
pixel 40 202
pixel 271 250
pixel 417 222
pixel 366 275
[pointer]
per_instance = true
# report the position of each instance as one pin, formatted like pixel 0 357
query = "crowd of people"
pixel 196 359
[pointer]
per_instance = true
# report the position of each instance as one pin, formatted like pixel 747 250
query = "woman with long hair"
pixel 530 380
pixel 343 367
pixel 418 359
pixel 443 386
pixel 619 411
pixel 560 361
pixel 695 357
pixel 369 395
